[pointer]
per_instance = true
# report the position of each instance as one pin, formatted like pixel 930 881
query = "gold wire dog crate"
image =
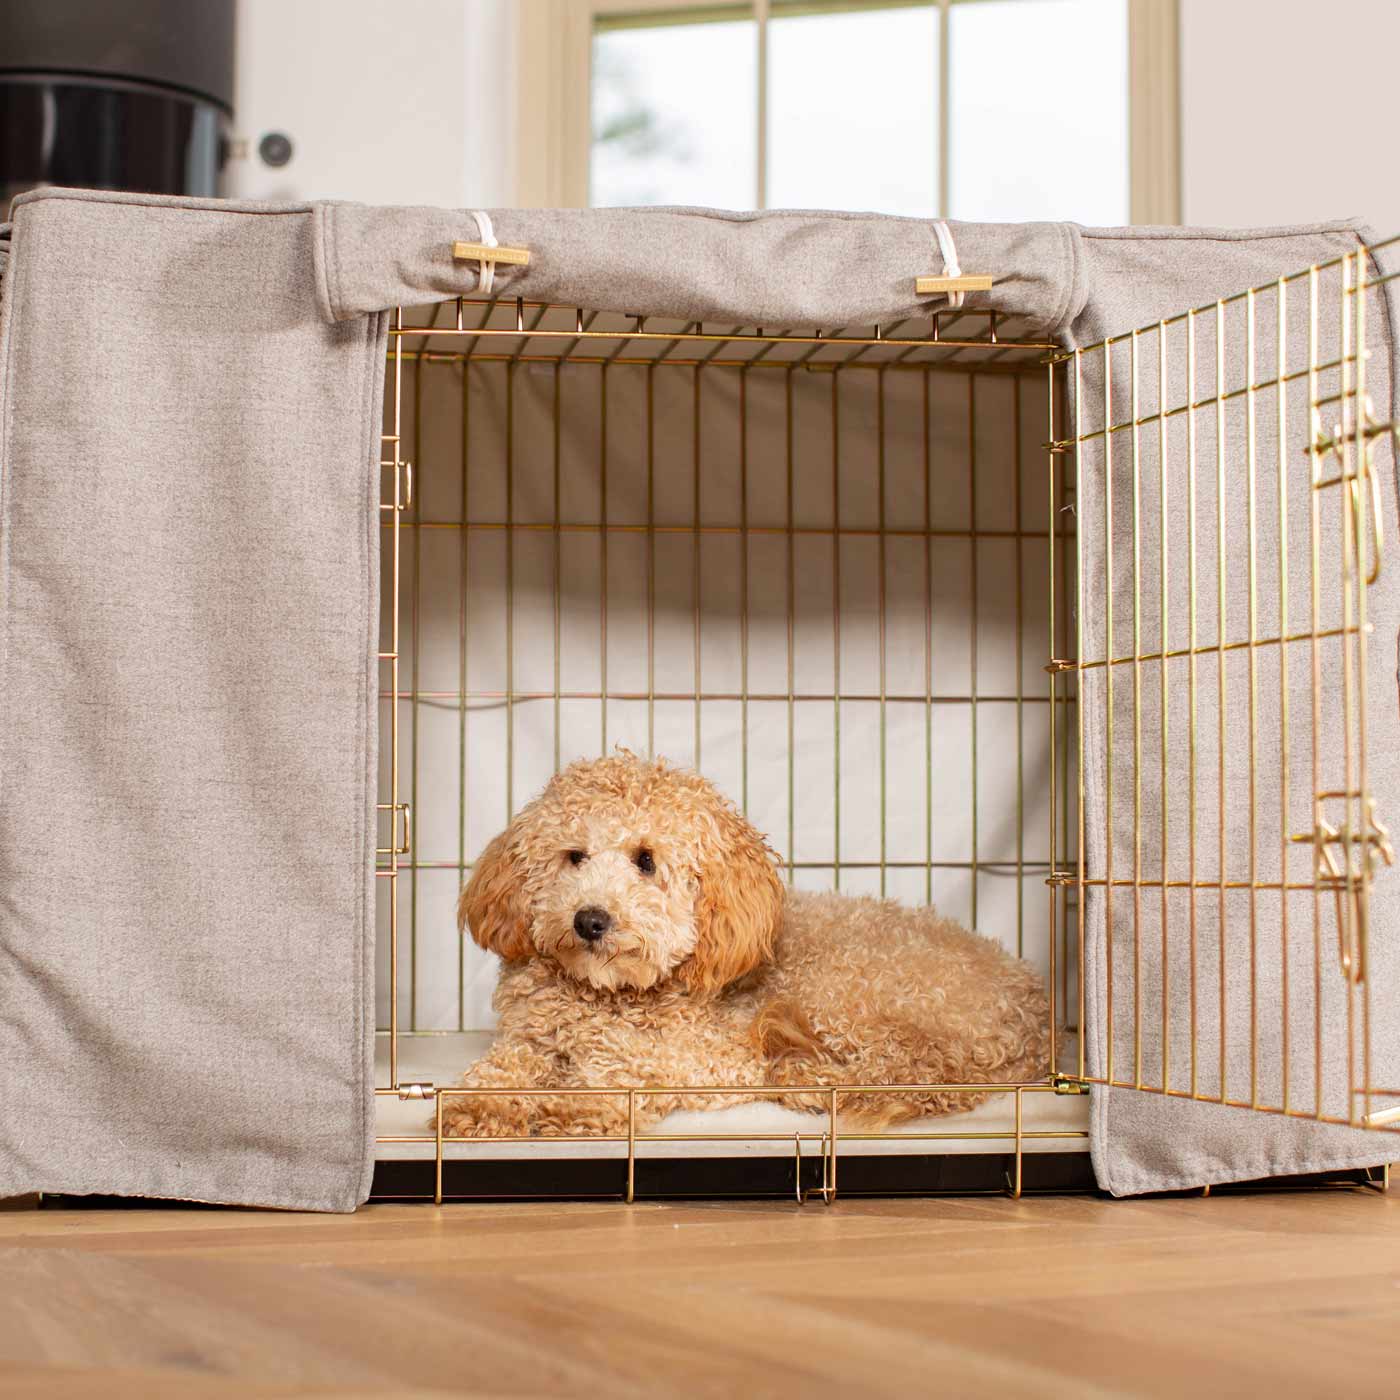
pixel 845 574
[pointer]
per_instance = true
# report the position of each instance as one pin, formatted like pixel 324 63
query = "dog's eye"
pixel 577 857
pixel 646 863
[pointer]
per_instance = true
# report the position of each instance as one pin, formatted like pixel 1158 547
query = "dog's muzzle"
pixel 591 923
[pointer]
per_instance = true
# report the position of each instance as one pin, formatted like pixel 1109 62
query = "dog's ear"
pixel 493 906
pixel 740 905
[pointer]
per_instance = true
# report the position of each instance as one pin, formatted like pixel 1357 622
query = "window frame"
pixel 553 119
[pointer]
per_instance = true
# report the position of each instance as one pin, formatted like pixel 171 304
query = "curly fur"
pixel 714 973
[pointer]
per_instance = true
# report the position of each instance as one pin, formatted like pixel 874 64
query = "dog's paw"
pixel 484 1116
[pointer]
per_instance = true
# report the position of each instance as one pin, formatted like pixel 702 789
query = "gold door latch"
pixel 1345 861
pixel 1331 442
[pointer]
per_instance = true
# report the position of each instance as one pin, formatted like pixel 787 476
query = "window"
pixel 971 109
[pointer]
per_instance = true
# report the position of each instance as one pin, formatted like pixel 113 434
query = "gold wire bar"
pixel 651 563
pixel 1054 681
pixel 558 563
pixel 830 1192
pixel 603 560
pixel 510 589
pixel 881 639
pixel 1081 826
pixel 1016 1190
pixel 822 1135
pixel 1251 657
pixel 972 632
pixel 1002 361
pixel 1137 722
pixel 437 1154
pixel 464 576
pixel 1315 573
pixel 779 1091
pixel 1108 702
pixel 1020 673
pixel 799 697
pixel 1216 648
pixel 1191 680
pixel 695 584
pixel 792 633
pixel 836 630
pixel 1285 757
pixel 1220 660
pixel 1163 511
pixel 743 591
pixel 631 1145
pixel 415 614
pixel 619 527
pixel 835 339
pixel 928 643
pixel 993 867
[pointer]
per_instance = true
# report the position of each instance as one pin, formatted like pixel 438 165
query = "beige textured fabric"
pixel 188 527
pixel 779 268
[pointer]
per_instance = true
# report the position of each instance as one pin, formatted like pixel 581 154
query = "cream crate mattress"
pixel 442 1058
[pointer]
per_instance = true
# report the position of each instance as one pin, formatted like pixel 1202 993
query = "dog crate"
pixel 848 573
pixel 1066 608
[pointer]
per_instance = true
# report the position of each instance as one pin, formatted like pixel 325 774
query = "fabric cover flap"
pixel 188 573
pixel 781 268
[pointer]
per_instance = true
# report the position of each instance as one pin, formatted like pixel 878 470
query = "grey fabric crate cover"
pixel 188 581
pixel 189 524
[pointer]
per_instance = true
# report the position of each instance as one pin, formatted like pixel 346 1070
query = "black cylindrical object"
pixel 132 95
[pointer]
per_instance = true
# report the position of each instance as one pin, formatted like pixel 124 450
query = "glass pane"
pixel 1038 122
pixel 853 108
pixel 675 113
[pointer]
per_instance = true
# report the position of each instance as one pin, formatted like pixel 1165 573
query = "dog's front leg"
pixel 595 1114
pixel 510 1064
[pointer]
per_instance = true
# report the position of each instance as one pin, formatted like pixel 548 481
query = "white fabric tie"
pixel 486 274
pixel 949 249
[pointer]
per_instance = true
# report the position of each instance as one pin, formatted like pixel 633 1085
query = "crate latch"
pixel 1345 862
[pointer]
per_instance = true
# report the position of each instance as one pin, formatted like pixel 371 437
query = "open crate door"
pixel 1230 713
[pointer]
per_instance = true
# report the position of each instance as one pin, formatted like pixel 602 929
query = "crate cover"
pixel 190 401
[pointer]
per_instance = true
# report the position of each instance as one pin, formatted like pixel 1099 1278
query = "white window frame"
pixel 554 58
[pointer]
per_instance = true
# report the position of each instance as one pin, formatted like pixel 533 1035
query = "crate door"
pixel 1230 693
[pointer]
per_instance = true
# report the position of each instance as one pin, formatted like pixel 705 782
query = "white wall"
pixel 1285 105
pixel 1286 111
pixel 408 102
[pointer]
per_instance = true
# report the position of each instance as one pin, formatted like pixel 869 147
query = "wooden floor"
pixel 1228 1295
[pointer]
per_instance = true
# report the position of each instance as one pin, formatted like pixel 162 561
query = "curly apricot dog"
pixel 647 940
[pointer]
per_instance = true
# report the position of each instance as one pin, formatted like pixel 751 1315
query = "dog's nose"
pixel 591 923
